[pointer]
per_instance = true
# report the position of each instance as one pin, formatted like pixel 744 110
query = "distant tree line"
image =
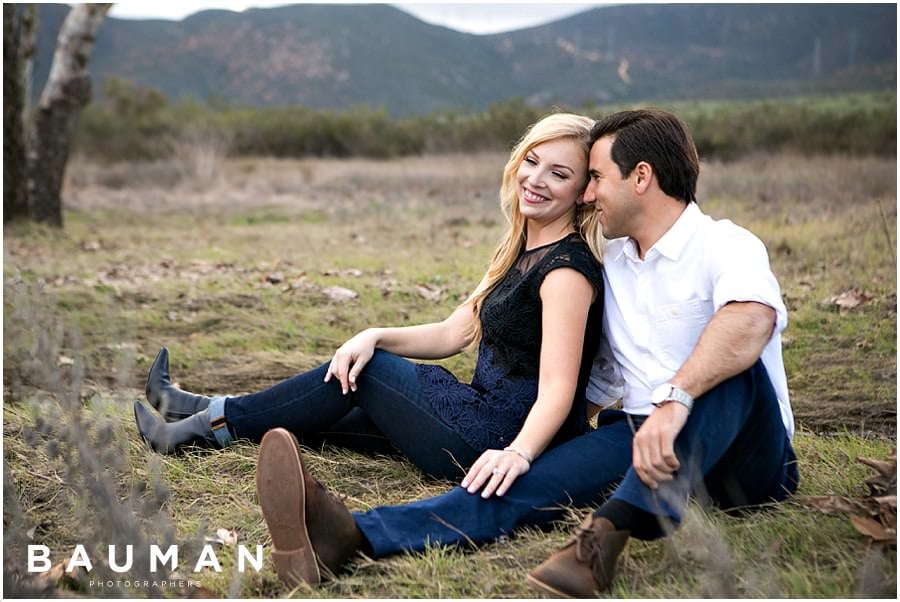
pixel 139 123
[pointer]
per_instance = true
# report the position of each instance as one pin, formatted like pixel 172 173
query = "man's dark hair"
pixel 660 139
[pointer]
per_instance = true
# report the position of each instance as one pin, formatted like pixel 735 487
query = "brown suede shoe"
pixel 312 531
pixel 586 565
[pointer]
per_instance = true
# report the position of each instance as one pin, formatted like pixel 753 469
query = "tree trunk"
pixel 15 201
pixel 29 49
pixel 67 90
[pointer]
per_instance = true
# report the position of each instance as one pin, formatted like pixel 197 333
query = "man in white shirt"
pixel 693 316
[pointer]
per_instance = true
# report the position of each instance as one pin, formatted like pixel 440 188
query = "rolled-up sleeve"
pixel 740 271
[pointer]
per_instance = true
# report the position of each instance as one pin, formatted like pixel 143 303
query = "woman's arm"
pixel 566 297
pixel 424 341
pixel 429 341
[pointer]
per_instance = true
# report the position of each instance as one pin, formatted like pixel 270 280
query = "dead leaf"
pixel 887 509
pixel 223 536
pixel 354 272
pixel 73 579
pixel 57 577
pixel 432 293
pixel 64 361
pixel 887 500
pixel 884 468
pixel 299 283
pixel 56 572
pixel 47 581
pixel 125 345
pixel 834 504
pixel 872 528
pixel 849 299
pixel 340 294
pixel 885 482
pixel 228 537
pixel 875 515
pixel 388 286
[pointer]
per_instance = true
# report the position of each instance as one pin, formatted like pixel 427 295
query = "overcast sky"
pixel 473 17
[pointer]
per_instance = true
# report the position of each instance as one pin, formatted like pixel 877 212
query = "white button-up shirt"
pixel 657 307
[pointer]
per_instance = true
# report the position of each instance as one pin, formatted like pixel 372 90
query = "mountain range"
pixel 341 56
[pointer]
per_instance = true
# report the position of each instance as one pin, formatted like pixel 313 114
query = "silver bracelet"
pixel 521 454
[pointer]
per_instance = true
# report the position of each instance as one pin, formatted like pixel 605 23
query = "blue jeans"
pixel 388 405
pixel 734 445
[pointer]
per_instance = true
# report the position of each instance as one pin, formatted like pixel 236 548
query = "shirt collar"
pixel 615 248
pixel 670 245
pixel 679 235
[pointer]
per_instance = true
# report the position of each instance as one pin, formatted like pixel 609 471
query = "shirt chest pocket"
pixel 677 328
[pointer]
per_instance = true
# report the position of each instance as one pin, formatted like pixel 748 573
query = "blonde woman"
pixel 535 317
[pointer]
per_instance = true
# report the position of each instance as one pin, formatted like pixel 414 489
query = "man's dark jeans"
pixel 734 444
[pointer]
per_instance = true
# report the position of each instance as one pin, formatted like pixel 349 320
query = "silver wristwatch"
pixel 669 392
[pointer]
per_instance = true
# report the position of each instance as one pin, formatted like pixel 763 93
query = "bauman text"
pixel 39 559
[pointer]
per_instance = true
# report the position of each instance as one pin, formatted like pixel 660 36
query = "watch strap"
pixel 677 395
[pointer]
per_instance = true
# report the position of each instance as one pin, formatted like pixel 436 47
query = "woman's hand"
pixel 495 470
pixel 350 359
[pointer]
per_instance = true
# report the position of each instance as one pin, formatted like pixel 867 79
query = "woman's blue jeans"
pixel 388 405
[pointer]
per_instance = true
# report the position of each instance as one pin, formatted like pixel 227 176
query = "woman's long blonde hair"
pixel 553 127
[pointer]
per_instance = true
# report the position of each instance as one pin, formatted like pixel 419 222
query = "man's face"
pixel 609 192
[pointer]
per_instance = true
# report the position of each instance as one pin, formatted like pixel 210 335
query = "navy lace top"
pixel 489 412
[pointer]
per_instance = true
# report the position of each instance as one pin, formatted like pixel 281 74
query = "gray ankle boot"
pixel 173 403
pixel 201 429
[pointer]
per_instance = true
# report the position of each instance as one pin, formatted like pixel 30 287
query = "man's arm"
pixel 730 344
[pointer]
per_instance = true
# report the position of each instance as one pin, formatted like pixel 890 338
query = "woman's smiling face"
pixel 551 180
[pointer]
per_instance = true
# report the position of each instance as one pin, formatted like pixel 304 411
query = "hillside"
pixel 339 56
pixel 707 51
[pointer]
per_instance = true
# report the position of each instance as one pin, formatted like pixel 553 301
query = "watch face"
pixel 660 394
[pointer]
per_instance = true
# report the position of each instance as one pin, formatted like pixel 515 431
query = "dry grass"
pixel 229 275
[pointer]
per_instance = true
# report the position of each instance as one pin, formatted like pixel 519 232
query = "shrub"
pixel 139 124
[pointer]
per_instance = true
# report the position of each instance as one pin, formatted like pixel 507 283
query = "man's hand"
pixel 653 448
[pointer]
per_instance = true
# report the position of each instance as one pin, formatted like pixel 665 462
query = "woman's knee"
pixel 389 379
pixel 387 363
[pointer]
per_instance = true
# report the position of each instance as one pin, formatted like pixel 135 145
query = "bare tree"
pixel 16 24
pixel 29 49
pixel 67 90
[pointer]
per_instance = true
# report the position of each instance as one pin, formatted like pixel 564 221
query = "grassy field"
pixel 229 263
